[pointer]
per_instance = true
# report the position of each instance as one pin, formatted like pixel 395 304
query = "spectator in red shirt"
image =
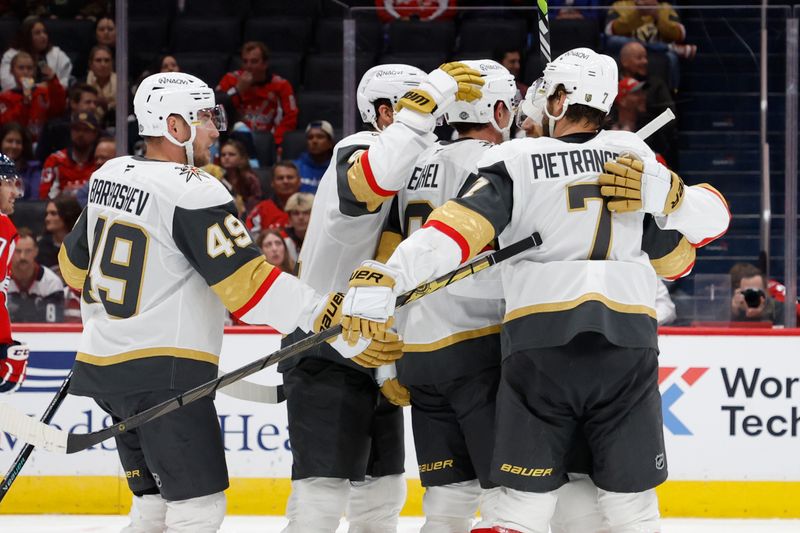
pixel 233 158
pixel 67 170
pixel 28 103
pixel 262 100
pixel 270 213
pixel 389 10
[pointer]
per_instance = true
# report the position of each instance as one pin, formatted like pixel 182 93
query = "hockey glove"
pixel 13 362
pixel 381 351
pixel 636 185
pixel 443 86
pixel 392 390
pixel 369 304
pixel 328 313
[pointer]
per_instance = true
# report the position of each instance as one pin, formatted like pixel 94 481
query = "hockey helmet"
pixel 8 173
pixel 589 78
pixel 176 93
pixel 532 106
pixel 385 81
pixel 498 86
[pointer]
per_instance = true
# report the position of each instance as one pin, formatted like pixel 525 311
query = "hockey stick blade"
pixel 656 124
pixel 22 458
pixel 53 439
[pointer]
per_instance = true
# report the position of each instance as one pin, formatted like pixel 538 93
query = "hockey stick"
pixel 544 31
pixel 656 124
pixel 53 439
pixel 26 451
pixel 254 392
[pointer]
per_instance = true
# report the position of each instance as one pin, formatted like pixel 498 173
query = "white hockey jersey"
pixel 446 335
pixel 159 254
pixel 591 273
pixel 350 208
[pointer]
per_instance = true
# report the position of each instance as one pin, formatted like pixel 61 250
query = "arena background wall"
pixel 731 401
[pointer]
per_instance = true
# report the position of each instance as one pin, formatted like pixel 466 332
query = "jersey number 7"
pixel 578 197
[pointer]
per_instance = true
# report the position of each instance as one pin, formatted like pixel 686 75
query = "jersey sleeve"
pixel 671 254
pixel 702 217
pixel 374 175
pixel 49 176
pixel 73 258
pixel 217 245
pixel 392 233
pixel 289 107
pixel 9 235
pixel 458 230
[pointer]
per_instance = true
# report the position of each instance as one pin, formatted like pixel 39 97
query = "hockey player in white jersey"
pixel 160 254
pixel 579 333
pixel 451 361
pixel 342 430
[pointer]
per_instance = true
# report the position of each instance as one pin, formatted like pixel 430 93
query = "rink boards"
pixel 731 405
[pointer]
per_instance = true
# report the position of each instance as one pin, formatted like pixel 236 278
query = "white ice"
pixel 274 524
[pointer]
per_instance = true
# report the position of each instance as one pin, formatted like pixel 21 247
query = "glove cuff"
pixel 373 274
pixel 384 372
pixel 419 122
pixel 328 311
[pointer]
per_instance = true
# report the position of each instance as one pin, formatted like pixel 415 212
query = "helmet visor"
pixel 212 116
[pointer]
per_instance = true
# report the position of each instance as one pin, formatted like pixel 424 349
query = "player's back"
pixel 590 273
pixel 342 232
pixel 146 309
pixel 445 334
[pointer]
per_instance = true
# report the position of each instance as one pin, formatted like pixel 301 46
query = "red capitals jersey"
pixel 266 215
pixel 46 102
pixel 8 241
pixel 269 106
pixel 61 173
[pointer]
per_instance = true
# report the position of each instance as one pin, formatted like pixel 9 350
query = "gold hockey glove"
pixel 640 185
pixel 369 304
pixel 396 393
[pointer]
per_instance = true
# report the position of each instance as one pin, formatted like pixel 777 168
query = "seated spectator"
pixel 67 170
pixel 629 105
pixel 105 149
pixel 35 293
pixel 634 64
pixel 28 103
pixel 511 58
pixel 261 99
pixel 168 63
pixel 55 135
pixel 32 38
pixel 656 25
pixel 750 301
pixel 313 163
pixel 15 142
pixel 60 216
pixel 389 10
pixel 573 9
pixel 105 32
pixel 272 245
pixel 298 206
pixel 243 181
pixel 270 213
pixel 102 77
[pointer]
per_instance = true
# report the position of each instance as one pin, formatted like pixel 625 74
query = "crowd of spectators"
pixel 58 127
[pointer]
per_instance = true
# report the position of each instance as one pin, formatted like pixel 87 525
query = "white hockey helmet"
pixel 385 81
pixel 498 86
pixel 176 93
pixel 589 78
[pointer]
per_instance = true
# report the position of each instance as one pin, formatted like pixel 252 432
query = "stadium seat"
pixel 8 29
pixel 30 214
pixel 151 9
pixel 217 8
pixel 408 37
pixel 426 62
pixel 208 66
pixel 566 34
pixel 205 35
pixel 324 72
pixel 320 106
pixel 265 147
pixel 295 8
pixel 71 34
pixel 147 35
pixel 479 35
pixel 328 36
pixel 294 142
pixel 280 34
